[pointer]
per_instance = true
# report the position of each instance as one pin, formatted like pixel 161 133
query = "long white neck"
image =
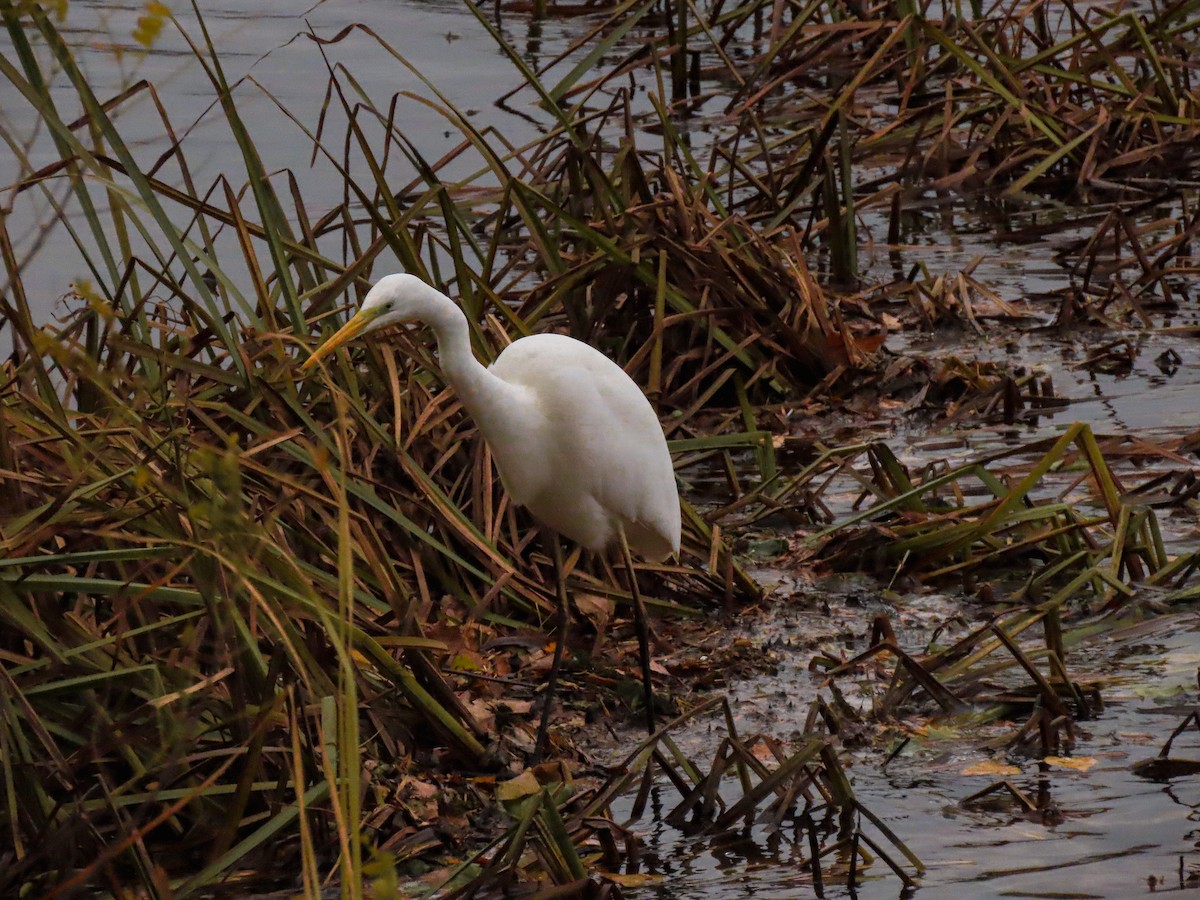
pixel 490 400
pixel 463 371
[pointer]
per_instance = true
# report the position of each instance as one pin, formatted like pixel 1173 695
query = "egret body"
pixel 574 438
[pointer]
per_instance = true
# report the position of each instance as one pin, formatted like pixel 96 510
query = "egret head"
pixel 392 300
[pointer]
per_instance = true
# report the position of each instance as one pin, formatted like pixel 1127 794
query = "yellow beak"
pixel 359 323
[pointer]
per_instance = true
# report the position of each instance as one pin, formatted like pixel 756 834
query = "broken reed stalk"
pixel 679 58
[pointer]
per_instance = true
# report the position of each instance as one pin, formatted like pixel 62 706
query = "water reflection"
pixel 276 69
pixel 1104 832
pixel 749 861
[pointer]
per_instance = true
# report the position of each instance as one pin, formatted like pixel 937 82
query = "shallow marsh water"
pixel 269 45
pixel 1105 832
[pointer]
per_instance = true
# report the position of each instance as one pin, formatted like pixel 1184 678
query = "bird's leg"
pixel 642 626
pixel 560 642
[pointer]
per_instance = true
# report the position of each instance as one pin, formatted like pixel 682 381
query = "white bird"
pixel 574 439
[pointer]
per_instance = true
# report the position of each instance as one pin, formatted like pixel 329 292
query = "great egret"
pixel 574 439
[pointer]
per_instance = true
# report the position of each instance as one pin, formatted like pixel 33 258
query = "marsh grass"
pixel 229 595
pixel 1049 546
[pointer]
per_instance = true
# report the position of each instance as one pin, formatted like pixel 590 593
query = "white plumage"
pixel 595 456
pixel 574 438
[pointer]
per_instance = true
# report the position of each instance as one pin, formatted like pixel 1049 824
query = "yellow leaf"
pixel 1078 763
pixel 632 881
pixel 992 768
pixel 524 785
pixel 151 23
pixel 465 662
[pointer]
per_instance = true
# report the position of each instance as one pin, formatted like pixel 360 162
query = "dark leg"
pixel 643 632
pixel 560 642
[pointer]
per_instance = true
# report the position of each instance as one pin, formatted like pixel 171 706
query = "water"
pixel 279 68
pixel 1103 833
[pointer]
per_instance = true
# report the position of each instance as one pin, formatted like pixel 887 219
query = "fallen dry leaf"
pixel 524 785
pixel 514 707
pixel 992 768
pixel 634 880
pixel 1136 737
pixel 597 609
pixel 419 799
pixel 553 772
pixel 481 712
pixel 1078 763
pixel 763 753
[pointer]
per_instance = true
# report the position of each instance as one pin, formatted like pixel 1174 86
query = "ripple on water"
pixel 1100 833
